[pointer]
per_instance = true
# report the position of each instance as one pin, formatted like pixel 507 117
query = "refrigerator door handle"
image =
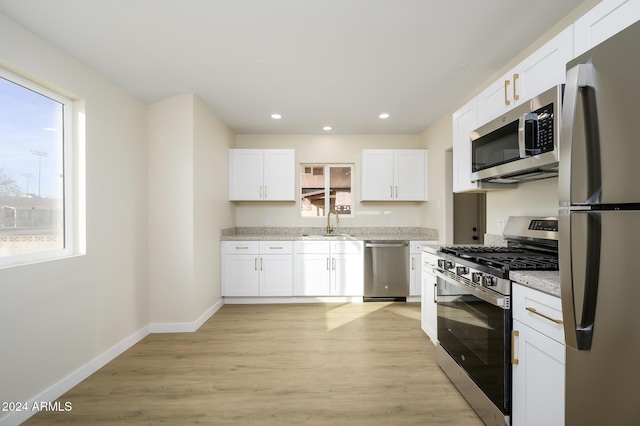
pixel 580 236
pixel 580 170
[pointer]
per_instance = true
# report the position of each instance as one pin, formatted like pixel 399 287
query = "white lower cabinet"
pixel 328 268
pixel 538 359
pixel 428 307
pixel 252 268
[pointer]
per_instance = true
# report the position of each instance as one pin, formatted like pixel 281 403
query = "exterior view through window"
pixel 32 133
pixel 325 187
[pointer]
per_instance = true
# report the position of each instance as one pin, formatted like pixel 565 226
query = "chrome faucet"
pixel 329 227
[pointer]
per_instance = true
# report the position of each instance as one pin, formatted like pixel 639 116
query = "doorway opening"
pixel 467 212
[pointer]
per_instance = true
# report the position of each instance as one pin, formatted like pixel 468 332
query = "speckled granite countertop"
pixel 318 233
pixel 544 281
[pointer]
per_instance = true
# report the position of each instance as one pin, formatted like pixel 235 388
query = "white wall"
pixel 539 198
pixel 58 316
pixel 330 149
pixel 188 177
pixel 438 139
pixel 211 206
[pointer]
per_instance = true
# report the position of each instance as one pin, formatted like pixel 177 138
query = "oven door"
pixel 474 331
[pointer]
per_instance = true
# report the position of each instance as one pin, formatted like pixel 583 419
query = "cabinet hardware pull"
pixel 261 264
pixel 242 247
pixel 533 311
pixel 260 191
pixel 515 94
pixel 514 334
pixel 413 263
pixel 391 191
pixel 265 191
pixel 275 248
pixel 333 263
pixel 435 292
pixel 396 191
pixel 255 263
pixel 506 99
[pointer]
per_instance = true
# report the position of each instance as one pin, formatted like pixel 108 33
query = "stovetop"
pixel 505 259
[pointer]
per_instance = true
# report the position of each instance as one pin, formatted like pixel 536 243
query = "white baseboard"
pixel 60 388
pixel 309 299
pixel 186 327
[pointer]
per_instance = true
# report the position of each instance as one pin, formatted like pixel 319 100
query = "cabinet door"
pixel 603 21
pixel 312 274
pixel 279 175
pixel 241 275
pixel 465 120
pixel 546 67
pixel 377 175
pixel 415 283
pixel 538 378
pixel 276 275
pixel 428 307
pixel 410 175
pixel 347 275
pixel 245 174
pixel 496 99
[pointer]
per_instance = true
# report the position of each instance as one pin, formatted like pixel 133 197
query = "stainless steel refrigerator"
pixel 599 242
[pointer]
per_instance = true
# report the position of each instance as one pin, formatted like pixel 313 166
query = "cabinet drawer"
pixel 355 247
pixel 276 247
pixel 311 247
pixel 429 261
pixel 538 310
pixel 241 247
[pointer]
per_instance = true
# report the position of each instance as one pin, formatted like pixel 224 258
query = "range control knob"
pixel 489 281
pixel 476 277
pixel 462 270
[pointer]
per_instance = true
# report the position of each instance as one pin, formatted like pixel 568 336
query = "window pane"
pixel 340 189
pixel 312 184
pixel 31 171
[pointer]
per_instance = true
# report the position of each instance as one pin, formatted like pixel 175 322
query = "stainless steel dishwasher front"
pixel 386 270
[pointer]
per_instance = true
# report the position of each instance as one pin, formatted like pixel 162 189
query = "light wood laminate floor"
pixel 302 364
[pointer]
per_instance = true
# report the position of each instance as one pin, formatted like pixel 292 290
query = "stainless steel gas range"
pixel 474 310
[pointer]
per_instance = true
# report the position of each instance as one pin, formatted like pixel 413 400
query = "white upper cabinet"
pixel 540 71
pixel 262 174
pixel 604 20
pixel 394 175
pixel 465 120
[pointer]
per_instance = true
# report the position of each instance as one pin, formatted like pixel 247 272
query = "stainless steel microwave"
pixel 522 144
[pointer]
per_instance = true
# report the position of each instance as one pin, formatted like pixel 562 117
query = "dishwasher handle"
pixel 386 245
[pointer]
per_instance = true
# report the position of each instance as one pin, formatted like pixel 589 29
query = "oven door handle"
pixel 495 299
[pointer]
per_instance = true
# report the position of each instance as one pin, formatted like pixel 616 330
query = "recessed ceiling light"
pixel 384 115
pixel 276 116
pixel 327 128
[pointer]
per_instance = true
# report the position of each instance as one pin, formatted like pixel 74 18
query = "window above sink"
pixel 325 187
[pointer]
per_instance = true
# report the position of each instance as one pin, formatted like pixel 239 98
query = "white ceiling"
pixel 316 62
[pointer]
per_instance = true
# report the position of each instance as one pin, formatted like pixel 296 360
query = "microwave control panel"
pixel 539 129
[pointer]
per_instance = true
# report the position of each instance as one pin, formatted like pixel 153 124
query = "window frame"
pixel 68 178
pixel 327 187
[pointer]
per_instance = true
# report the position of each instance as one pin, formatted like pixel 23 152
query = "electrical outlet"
pixel 500 225
pixel 267 220
pixel 394 222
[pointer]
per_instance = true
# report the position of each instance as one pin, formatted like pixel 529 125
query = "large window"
pixel 34 126
pixel 325 187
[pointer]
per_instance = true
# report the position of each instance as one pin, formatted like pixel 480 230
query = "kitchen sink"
pixel 332 236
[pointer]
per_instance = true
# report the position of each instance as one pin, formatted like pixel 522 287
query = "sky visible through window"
pixel 31 134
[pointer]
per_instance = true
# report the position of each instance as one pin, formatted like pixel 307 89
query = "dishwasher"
pixel 386 271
